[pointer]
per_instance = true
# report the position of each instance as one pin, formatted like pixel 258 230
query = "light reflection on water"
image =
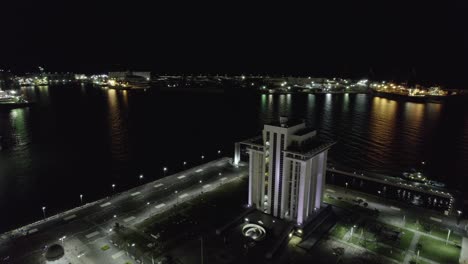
pixel 86 136
pixel 373 133
pixel 118 106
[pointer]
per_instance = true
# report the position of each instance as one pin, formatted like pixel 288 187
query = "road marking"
pixel 223 179
pixel 93 234
pixel 160 205
pixel 199 170
pixel 436 219
pixel 128 219
pixel 206 186
pixel 330 190
pixel 395 208
pixel 32 231
pixel 183 195
pixel 135 193
pixel 158 185
pixel 118 254
pixel 106 204
pixel 181 177
pixel 69 217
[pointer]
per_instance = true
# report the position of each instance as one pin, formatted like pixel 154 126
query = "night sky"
pixel 415 40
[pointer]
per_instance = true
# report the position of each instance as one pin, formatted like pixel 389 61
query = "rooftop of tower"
pixel 310 147
pixel 286 122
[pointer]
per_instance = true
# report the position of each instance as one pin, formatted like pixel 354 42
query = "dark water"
pixel 79 140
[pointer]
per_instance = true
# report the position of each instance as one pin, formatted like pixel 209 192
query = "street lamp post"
pixel 81 199
pixel 43 211
pixel 62 239
pixel 185 163
pixel 202 157
pixel 164 170
pixel 219 152
pixel 140 178
pixel 448 236
pixel 351 235
pixel 459 216
pixel 177 197
pixel 113 188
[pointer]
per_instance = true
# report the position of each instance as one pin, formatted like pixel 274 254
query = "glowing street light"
pixel 62 239
pixel 202 157
pixel 448 236
pixel 81 198
pixel 140 178
pixel 43 211
pixel 352 230
pixel 113 188
pixel 164 170
pixel 219 152
pixel 185 163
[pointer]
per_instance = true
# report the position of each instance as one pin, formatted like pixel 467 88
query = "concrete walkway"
pixel 412 248
pixel 464 251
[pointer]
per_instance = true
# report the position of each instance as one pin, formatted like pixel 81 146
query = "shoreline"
pixel 28 227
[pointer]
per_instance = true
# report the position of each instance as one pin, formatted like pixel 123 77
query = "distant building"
pixel 122 75
pixel 287 170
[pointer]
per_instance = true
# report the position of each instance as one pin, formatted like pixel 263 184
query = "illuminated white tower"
pixel 287 170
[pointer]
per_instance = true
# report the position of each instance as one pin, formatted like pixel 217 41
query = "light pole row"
pixel 141 177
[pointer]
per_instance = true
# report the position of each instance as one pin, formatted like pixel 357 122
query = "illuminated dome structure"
pixel 254 231
pixel 54 252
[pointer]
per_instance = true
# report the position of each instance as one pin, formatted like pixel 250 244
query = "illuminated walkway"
pixel 464 251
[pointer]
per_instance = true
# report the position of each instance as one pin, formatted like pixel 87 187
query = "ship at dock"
pixel 129 80
pixel 10 100
pixel 417 94
pixel 417 176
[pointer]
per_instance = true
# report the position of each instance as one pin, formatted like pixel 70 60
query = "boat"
pixel 9 100
pixel 412 98
pixel 419 177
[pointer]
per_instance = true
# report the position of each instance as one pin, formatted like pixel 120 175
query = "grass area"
pixel 379 248
pixel 420 261
pixel 437 250
pixel 339 230
pixel 434 229
pixel 190 219
pixel 375 236
pixel 105 247
pixel 405 239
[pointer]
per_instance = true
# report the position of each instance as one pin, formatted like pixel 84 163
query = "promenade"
pixel 87 227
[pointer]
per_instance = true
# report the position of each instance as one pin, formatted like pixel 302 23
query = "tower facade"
pixel 287 167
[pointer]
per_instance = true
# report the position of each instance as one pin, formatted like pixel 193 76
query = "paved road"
pixel 87 229
pixel 393 211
